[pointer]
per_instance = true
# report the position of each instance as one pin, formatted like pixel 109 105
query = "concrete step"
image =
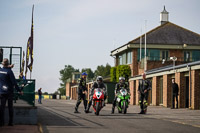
pixel 24 114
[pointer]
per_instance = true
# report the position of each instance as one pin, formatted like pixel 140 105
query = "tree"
pixel 45 93
pixel 66 74
pixel 103 71
pixel 89 72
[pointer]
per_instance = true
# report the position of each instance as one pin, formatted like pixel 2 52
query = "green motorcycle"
pixel 123 99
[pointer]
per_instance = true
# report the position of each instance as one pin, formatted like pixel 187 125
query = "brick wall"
pixel 117 60
pixel 195 89
pixel 131 86
pixel 155 90
pixel 167 90
pixel 74 94
pixel 177 53
pixel 134 70
pixel 68 89
pixel 136 93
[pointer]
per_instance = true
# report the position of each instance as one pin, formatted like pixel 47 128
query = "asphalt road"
pixel 57 116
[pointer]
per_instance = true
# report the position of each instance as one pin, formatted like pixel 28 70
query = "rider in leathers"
pixel 118 87
pixel 98 84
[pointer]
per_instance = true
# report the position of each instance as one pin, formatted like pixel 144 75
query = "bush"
pixel 120 71
pixel 113 74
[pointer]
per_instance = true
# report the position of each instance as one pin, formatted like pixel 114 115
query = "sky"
pixel 82 33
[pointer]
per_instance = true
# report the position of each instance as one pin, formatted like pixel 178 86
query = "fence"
pixel 14 54
pixel 28 91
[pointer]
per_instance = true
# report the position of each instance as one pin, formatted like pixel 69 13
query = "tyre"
pixel 124 107
pixel 97 108
pixel 119 107
pixel 119 111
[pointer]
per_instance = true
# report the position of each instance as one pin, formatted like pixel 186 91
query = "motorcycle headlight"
pixel 98 94
pixel 118 99
pixel 124 92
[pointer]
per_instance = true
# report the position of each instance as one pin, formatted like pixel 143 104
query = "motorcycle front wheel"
pixel 97 108
pixel 124 107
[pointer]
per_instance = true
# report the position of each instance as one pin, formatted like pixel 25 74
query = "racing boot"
pixel 88 108
pixel 113 110
pixel 76 110
pixel 142 112
pixel 104 103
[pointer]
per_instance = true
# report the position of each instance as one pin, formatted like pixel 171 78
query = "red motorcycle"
pixel 98 98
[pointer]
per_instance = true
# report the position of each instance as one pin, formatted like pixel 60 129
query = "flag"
pixel 30 66
pixel 27 55
pixel 29 50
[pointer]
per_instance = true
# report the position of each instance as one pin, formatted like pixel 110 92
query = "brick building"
pixel 165 41
pixel 187 76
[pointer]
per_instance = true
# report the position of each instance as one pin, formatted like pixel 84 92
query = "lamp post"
pixel 174 59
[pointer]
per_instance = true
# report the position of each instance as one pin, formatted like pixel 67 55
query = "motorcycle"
pixel 98 98
pixel 123 101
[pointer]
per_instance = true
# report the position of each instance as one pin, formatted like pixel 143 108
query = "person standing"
pixel 82 92
pixel 175 90
pixel 143 90
pixel 40 96
pixel 7 85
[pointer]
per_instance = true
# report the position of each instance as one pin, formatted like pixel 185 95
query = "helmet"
pixel 100 78
pixel 84 73
pixel 121 78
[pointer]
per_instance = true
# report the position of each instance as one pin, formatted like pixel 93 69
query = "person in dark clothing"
pixel 98 84
pixel 7 85
pixel 143 88
pixel 118 87
pixel 40 96
pixel 175 90
pixel 82 92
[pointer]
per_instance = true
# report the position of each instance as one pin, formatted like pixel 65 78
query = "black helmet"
pixel 100 78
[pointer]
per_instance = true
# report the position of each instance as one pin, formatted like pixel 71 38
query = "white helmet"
pixel 121 78
pixel 100 78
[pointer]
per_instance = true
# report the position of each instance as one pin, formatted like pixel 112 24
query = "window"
pixel 129 57
pixel 142 54
pixel 196 55
pixel 120 60
pixel 124 59
pixel 77 76
pixel 187 55
pixel 154 54
pixel 165 54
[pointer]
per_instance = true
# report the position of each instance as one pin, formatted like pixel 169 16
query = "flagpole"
pixel 141 45
pixel 145 68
